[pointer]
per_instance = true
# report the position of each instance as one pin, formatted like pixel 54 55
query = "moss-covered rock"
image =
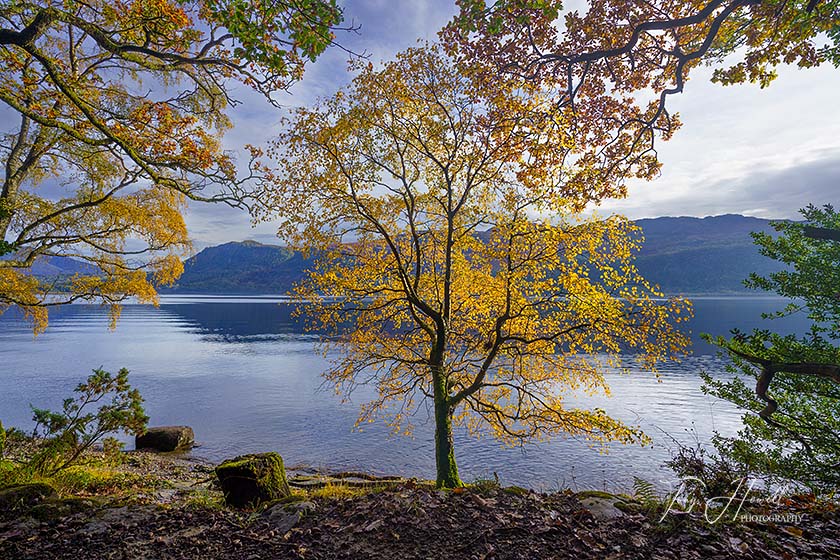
pixel 57 509
pixel 516 490
pixel 596 494
pixel 290 499
pixel 604 505
pixel 23 497
pixel 249 480
pixel 630 507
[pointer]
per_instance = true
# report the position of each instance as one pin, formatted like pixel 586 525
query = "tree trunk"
pixel 447 469
pixel 10 188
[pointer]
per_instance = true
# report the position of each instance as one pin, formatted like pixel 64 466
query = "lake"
pixel 241 372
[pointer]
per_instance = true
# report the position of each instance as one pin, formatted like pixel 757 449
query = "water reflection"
pixel 243 373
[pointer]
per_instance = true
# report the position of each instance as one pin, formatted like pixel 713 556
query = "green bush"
pixel 65 435
pixel 704 474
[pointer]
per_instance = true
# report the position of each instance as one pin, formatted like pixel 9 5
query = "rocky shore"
pixel 171 508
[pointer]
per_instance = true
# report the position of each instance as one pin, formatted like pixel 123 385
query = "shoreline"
pixel 173 511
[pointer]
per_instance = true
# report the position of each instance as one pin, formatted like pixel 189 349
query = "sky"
pixel 742 150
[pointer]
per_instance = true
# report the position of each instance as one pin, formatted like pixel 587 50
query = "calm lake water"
pixel 242 373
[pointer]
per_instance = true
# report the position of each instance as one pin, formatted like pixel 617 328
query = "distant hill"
pixel 57 267
pixel 710 255
pixel 241 267
pixel 682 255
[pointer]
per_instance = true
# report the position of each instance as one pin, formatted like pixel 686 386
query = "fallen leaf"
pixel 795 531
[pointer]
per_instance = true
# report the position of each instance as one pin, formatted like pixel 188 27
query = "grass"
pixel 77 480
pixel 485 484
pixel 95 480
pixel 205 499
pixel 98 472
pixel 338 491
pixel 11 474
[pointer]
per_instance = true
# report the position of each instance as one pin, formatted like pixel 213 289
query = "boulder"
pixel 249 480
pixel 56 509
pixel 283 517
pixel 23 497
pixel 602 505
pixel 166 438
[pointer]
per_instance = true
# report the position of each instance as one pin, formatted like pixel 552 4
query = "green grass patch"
pixel 205 499
pixel 483 485
pixel 338 491
pixel 11 473
pixel 95 480
pixel 82 479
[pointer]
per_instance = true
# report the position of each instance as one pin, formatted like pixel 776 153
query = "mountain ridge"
pixel 682 255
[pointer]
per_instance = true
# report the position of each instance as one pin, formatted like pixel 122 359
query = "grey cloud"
pixel 762 192
pixel 781 193
pixel 720 162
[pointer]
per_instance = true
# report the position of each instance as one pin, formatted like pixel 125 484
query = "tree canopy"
pixel 453 269
pixel 791 425
pixel 113 114
pixel 616 63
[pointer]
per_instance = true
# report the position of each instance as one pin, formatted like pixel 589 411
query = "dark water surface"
pixel 240 371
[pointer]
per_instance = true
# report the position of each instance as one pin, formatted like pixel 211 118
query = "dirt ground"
pixel 413 521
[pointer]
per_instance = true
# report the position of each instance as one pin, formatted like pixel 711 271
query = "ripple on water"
pixel 244 375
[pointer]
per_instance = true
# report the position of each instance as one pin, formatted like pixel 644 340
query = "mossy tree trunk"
pixel 447 468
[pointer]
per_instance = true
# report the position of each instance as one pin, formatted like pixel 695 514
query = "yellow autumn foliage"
pixel 114 113
pixel 454 268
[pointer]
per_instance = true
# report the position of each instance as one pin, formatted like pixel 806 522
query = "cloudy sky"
pixel 744 150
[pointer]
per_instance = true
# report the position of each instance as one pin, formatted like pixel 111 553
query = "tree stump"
pixel 248 480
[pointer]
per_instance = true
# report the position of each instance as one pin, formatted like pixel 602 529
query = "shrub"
pixel 64 436
pixel 703 474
